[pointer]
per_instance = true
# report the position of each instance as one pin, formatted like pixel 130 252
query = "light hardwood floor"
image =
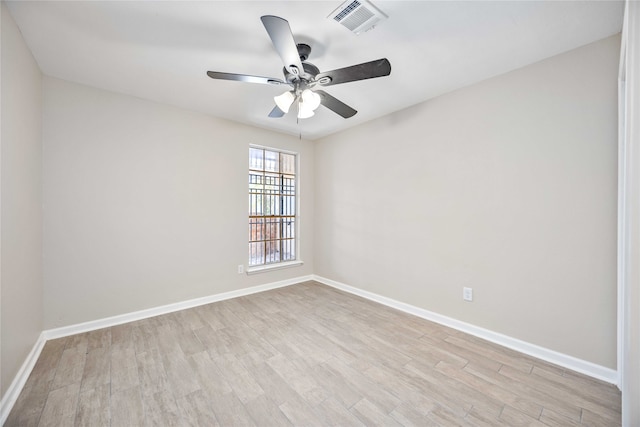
pixel 305 355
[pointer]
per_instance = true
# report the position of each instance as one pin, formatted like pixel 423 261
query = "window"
pixel 272 206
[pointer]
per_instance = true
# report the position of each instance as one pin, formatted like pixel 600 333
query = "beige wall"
pixel 21 201
pixel 507 186
pixel 146 204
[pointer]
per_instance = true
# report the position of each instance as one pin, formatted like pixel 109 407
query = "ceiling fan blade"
pixel 282 39
pixel 276 113
pixel 367 70
pixel 335 105
pixel 244 78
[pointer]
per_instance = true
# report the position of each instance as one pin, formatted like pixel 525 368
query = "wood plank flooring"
pixel 304 355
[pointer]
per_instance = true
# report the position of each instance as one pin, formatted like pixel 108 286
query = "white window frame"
pixel 253 269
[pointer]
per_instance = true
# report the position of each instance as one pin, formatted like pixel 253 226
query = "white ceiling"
pixel 161 50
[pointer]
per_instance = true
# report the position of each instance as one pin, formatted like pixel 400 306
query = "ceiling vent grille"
pixel 357 15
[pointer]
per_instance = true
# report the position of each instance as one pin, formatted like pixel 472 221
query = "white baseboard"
pixel 11 396
pixel 588 368
pixel 164 309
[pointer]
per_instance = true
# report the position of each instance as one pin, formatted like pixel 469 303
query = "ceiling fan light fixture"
pixel 304 112
pixel 310 99
pixel 284 101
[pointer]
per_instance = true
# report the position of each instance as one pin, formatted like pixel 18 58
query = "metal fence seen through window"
pixel 272 206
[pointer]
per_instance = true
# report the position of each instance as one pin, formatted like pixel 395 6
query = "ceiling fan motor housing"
pixel 303 50
pixel 309 73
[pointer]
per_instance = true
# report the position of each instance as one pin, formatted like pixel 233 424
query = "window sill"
pixel 271 267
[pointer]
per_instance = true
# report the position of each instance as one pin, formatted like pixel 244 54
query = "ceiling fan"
pixel 304 77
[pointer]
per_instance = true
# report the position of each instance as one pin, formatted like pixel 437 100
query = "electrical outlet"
pixel 240 268
pixel 467 294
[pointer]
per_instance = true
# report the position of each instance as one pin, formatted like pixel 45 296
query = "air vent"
pixel 357 15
